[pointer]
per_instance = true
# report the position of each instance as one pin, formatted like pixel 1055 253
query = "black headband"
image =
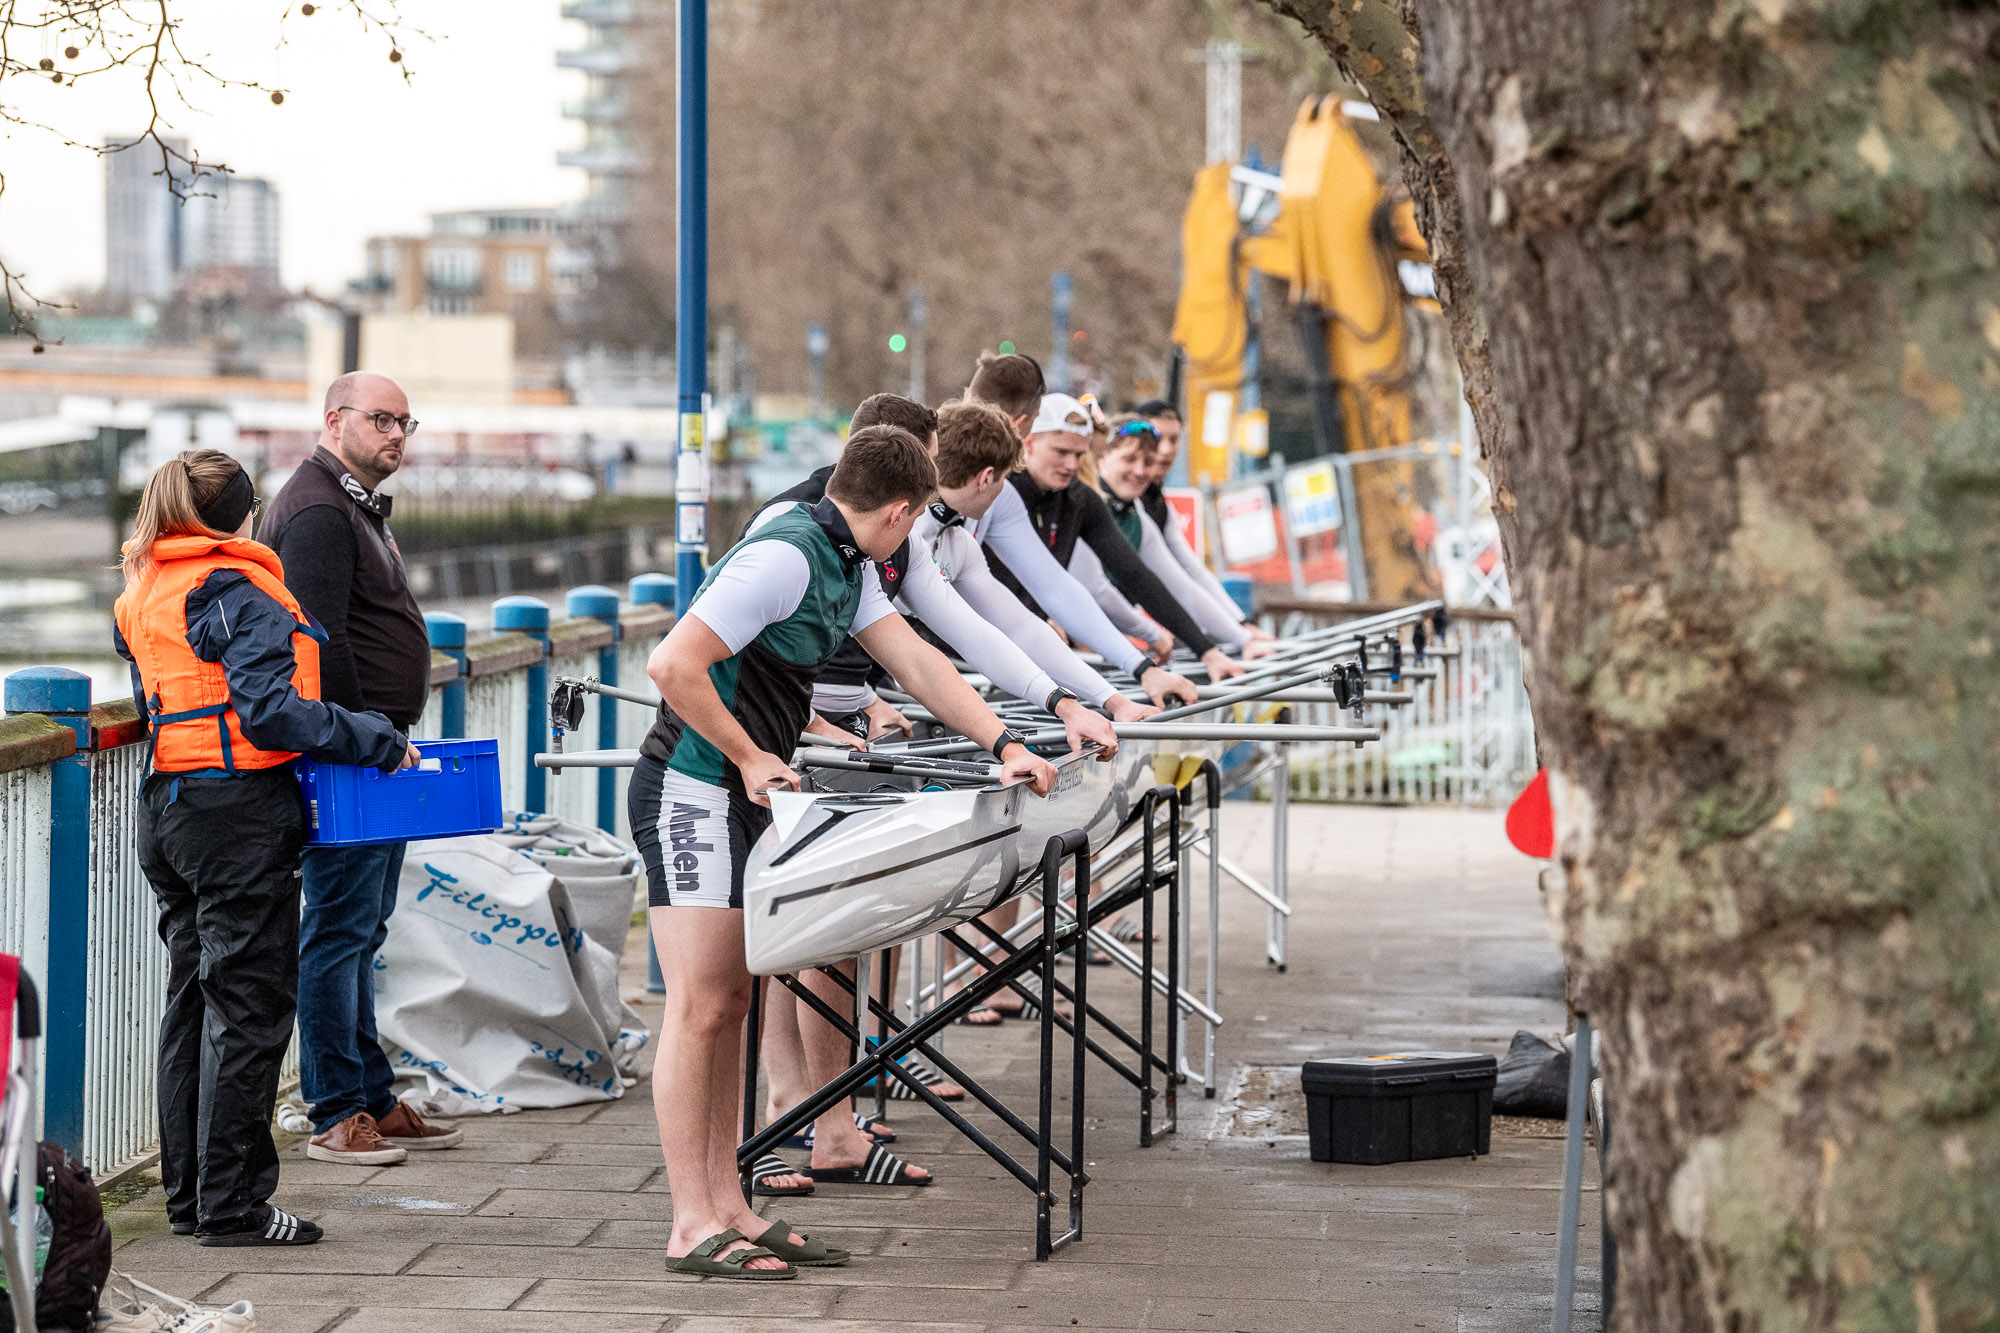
pixel 226 512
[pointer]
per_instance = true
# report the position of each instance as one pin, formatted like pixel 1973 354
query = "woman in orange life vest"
pixel 226 669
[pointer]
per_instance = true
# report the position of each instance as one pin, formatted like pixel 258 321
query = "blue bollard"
pixel 530 616
pixel 64 697
pixel 601 603
pixel 653 590
pixel 447 635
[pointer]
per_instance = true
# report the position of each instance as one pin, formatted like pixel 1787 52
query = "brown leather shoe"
pixel 406 1129
pixel 355 1141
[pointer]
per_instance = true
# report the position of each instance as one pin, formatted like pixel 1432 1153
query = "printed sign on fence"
pixel 1185 504
pixel 1249 530
pixel 1312 499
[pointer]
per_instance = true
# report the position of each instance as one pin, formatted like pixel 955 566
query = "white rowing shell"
pixel 840 874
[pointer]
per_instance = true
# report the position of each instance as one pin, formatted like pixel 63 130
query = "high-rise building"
pixel 156 240
pixel 613 51
pixel 231 222
pixel 142 220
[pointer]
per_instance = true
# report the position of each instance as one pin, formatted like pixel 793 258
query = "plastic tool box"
pixel 1370 1110
pixel 454 790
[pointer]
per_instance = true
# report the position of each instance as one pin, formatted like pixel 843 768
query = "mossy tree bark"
pixel 1738 274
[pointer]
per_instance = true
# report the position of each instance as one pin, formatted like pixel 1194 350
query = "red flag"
pixel 1531 820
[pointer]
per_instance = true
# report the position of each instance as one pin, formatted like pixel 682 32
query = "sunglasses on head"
pixel 1137 428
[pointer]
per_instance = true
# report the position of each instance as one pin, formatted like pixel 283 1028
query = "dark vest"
pixel 392 651
pixel 851 665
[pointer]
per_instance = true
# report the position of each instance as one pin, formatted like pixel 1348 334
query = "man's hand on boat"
pixel 1021 762
pixel 766 773
pixel 1086 724
pixel 1256 648
pixel 1124 708
pixel 821 729
pixel 1162 649
pixel 1162 685
pixel 883 719
pixel 1220 666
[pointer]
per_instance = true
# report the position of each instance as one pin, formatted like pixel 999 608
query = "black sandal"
pixel 882 1168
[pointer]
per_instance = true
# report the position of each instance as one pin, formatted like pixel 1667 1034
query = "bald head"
pixel 352 388
pixel 366 424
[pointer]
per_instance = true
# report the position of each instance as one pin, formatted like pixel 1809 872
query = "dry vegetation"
pixel 857 149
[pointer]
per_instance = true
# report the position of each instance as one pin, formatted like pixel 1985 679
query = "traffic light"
pixel 897 342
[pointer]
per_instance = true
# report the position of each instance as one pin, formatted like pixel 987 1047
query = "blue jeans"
pixel 349 894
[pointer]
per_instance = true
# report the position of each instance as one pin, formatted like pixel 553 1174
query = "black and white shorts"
pixel 693 836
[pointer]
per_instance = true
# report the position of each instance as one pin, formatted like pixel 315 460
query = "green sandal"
pixel 701 1261
pixel 812 1254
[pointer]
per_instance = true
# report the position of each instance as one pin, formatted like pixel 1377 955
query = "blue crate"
pixel 454 791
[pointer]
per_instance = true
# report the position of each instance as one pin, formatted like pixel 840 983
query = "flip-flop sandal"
pixel 882 1168
pixel 915 1066
pixel 867 1124
pixel 769 1165
pixel 701 1261
pixel 812 1254
pixel 983 1017
pixel 1127 931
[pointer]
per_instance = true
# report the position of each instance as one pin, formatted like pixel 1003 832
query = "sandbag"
pixel 489 987
pixel 602 875
pixel 1534 1079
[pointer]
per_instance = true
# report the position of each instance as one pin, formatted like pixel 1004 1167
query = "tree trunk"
pixel 1739 275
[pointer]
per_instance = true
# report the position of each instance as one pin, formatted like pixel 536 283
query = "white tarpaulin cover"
pixel 499 978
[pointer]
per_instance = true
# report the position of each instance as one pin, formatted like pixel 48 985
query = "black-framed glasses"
pixel 256 509
pixel 384 420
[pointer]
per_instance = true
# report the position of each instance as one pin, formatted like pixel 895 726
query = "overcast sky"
pixel 355 150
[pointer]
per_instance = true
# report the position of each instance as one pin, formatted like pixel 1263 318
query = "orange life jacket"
pixel 187 699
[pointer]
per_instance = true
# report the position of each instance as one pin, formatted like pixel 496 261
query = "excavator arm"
pixel 1334 240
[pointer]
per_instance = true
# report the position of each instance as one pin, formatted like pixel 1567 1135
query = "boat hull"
pixel 839 874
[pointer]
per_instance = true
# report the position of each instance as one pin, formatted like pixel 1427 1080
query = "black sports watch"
pixel 1008 736
pixel 1056 697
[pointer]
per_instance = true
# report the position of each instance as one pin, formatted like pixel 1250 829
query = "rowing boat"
pixel 840 874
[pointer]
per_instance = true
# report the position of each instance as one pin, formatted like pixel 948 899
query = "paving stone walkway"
pixel 1413 929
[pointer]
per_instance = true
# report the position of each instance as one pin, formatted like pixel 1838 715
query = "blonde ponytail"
pixel 171 504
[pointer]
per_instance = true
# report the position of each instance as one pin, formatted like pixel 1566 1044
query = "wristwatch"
pixel 1008 736
pixel 1056 697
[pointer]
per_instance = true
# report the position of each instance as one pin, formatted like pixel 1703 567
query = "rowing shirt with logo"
pixel 782 600
pixel 847 683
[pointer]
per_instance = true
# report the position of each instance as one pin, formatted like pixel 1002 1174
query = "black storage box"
pixel 1373 1109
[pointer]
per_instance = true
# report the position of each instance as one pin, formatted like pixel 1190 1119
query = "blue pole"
pixel 530 616
pixel 691 481
pixel 600 603
pixel 64 696
pixel 653 590
pixel 1061 291
pixel 447 635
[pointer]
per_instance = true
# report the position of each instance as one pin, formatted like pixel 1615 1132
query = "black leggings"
pixel 223 858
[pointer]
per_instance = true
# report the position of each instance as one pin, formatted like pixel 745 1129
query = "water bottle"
pixel 45 1231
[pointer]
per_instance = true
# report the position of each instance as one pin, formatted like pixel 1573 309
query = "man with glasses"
pixel 330 527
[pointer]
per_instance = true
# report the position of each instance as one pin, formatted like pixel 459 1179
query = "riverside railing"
pixel 75 906
pixel 1466 736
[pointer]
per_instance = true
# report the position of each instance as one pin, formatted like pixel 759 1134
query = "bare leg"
pixel 700 1060
pixel 836 1140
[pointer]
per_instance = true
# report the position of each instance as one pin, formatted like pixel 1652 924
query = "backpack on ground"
pixel 79 1261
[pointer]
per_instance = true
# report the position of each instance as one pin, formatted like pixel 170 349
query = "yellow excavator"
pixel 1326 228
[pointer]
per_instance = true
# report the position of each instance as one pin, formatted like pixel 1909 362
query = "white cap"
pixel 1060 412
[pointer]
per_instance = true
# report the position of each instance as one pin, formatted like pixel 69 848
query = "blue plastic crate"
pixel 455 790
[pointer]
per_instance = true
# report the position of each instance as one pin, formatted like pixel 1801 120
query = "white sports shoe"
pixel 167 1313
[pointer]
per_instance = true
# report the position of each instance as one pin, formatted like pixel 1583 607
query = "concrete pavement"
pixel 1414 928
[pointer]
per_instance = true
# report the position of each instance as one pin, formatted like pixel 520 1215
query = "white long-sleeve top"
pixel 955 555
pixel 1010 534
pixel 1089 571
pixel 1197 568
pixel 1214 612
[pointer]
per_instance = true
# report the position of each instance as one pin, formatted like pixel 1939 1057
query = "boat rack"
pixel 1008 963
